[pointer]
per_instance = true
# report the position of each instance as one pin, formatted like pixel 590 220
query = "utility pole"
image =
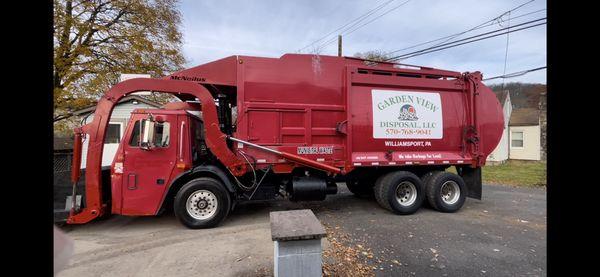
pixel 339 45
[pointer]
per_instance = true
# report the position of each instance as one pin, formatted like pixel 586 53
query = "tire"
pixel 360 188
pixel 194 201
pixel 424 178
pixel 446 192
pixel 406 185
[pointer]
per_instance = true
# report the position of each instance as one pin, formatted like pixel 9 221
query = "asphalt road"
pixel 503 235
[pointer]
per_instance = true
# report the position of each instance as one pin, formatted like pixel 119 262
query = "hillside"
pixel 522 95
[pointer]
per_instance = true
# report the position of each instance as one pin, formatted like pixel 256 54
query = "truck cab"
pixel 157 146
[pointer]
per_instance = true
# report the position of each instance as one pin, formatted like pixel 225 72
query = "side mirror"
pixel 147 133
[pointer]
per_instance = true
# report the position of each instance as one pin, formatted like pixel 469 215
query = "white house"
pixel 522 135
pixel 525 135
pixel 116 126
pixel 500 154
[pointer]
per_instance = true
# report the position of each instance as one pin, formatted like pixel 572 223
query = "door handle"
pixel 131 181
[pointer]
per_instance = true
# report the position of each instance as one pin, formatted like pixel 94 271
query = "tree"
pixel 96 40
pixel 522 95
pixel 374 55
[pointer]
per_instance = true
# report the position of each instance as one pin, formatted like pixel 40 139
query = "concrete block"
pixel 295 225
pixel 297 243
pixel 298 258
pixel 297 247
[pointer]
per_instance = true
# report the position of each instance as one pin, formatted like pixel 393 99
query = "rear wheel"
pixel 425 179
pixel 446 192
pixel 400 192
pixel 360 188
pixel 202 203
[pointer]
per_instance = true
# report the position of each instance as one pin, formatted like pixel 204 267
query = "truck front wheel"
pixel 446 192
pixel 202 203
pixel 400 192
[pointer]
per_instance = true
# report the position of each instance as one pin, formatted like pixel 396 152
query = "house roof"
pixel 525 117
pixel 127 98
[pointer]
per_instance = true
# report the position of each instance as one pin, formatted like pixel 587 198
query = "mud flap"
pixel 472 178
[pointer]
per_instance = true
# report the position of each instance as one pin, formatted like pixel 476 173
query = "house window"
pixel 113 134
pixel 516 139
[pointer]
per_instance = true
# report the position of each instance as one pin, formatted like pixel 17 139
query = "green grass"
pixel 521 173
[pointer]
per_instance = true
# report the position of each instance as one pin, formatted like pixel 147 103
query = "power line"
pixel 483 25
pixel 389 11
pixel 471 41
pixel 433 49
pixel 360 18
pixel 515 74
pixel 478 35
pixel 348 31
pixel 454 43
pixel 506 52
pixel 497 18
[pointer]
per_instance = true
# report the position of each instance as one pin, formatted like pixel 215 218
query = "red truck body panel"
pixel 322 108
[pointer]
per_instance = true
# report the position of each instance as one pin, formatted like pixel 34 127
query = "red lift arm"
pixel 292 157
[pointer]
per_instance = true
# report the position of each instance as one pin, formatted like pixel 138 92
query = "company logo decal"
pixel 307 150
pixel 406 114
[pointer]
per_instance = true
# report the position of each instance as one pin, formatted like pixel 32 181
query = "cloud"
pixel 221 28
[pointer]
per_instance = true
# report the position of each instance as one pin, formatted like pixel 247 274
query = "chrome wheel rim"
pixel 202 204
pixel 450 192
pixel 406 193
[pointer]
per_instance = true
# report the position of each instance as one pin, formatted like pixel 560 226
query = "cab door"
pixel 147 171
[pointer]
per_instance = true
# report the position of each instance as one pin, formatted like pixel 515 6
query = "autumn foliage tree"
pixel 97 40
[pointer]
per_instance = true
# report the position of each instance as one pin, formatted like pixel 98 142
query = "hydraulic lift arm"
pixel 292 157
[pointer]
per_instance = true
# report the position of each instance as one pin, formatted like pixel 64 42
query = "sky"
pixel 214 29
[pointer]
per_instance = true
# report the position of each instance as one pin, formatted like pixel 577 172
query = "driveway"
pixel 503 235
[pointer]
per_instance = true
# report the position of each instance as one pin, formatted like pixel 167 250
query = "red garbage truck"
pixel 253 128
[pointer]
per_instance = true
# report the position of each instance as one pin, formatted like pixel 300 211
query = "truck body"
pixel 291 127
